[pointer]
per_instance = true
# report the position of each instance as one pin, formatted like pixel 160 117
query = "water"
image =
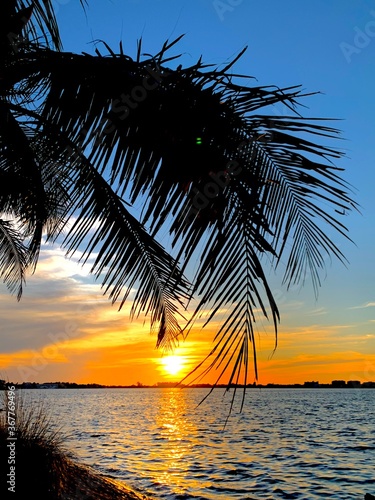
pixel 286 444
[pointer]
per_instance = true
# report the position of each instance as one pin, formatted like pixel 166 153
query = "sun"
pixel 173 364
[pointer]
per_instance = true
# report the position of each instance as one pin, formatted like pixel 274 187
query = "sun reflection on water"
pixel 176 436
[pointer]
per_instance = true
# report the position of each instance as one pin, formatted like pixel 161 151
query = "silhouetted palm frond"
pixel 13 258
pixel 126 256
pixel 228 185
pixel 32 187
pixel 24 22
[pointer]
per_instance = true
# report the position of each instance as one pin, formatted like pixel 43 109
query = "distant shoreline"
pixel 337 384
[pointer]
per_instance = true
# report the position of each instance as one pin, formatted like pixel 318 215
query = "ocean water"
pixel 300 444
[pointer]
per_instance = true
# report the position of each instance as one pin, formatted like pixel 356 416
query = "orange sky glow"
pixel 63 329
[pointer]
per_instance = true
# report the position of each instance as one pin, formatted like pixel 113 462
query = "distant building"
pixel 353 383
pixel 311 384
pixel 30 385
pixel 368 384
pixel 338 383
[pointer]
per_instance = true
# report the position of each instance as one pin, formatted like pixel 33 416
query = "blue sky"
pixel 325 46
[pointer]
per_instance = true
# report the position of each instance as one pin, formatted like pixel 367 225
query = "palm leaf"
pixel 14 258
pixel 298 191
pixel 278 189
pixel 32 189
pixel 34 20
pixel 127 256
pixel 164 138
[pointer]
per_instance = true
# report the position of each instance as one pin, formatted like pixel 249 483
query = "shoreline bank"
pixel 35 463
pixel 84 483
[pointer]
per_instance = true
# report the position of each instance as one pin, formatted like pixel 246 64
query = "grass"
pixel 44 468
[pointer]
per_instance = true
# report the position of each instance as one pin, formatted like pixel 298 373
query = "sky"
pixel 63 329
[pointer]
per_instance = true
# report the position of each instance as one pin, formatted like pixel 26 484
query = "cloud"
pixel 58 295
pixel 318 312
pixel 364 306
pixel 294 304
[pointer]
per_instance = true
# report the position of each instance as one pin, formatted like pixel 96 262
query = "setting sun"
pixel 173 364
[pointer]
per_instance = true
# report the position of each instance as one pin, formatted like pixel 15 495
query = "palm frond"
pixel 127 256
pixel 22 22
pixel 277 195
pixel 35 20
pixel 169 144
pixel 229 184
pixel 299 191
pixel 32 188
pixel 14 258
pixel 43 22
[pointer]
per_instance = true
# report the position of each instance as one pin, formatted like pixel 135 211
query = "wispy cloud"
pixel 318 312
pixel 364 306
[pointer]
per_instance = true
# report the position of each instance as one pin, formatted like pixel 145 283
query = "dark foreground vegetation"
pixel 36 464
